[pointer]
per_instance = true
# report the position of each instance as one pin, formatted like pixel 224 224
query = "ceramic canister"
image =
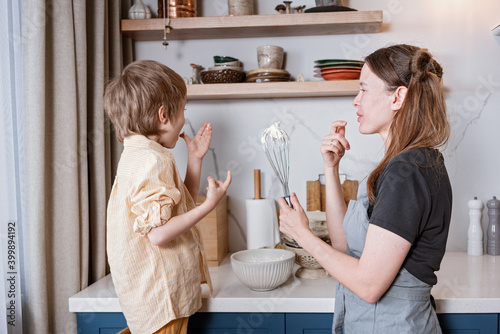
pixel 177 8
pixel 240 7
pixel 270 56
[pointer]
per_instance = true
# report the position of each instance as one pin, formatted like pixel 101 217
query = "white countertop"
pixel 466 284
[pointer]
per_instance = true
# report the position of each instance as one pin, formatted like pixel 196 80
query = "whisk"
pixel 276 144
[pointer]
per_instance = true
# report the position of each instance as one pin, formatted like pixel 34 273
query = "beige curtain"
pixel 70 50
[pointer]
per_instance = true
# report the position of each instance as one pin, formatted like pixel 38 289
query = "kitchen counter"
pixel 466 284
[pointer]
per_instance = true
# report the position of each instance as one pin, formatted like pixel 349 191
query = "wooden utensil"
pixel 256 183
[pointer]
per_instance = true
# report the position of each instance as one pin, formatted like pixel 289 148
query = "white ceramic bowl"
pixel 228 63
pixel 263 269
pixel 218 68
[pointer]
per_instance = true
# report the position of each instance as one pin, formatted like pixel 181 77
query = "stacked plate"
pixel 338 69
pixel 268 75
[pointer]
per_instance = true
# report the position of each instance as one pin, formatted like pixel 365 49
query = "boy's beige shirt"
pixel 154 284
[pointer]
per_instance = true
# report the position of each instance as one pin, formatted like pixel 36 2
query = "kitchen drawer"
pixel 199 323
pixel 279 323
pixel 470 323
pixel 309 323
pixel 237 323
pixel 100 323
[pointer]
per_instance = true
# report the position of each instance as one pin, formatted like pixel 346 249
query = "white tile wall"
pixel 457 32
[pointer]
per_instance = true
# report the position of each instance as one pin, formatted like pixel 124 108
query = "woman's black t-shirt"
pixel 413 200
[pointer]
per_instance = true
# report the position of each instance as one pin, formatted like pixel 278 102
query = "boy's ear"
pixel 162 115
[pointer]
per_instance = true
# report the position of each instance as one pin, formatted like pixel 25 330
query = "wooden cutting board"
pixel 316 197
pixel 214 231
pixel 350 188
pixel 313 195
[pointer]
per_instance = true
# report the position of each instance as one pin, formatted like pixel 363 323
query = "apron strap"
pixel 339 311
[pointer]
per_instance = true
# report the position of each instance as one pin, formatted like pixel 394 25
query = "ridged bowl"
pixel 263 269
pixel 222 76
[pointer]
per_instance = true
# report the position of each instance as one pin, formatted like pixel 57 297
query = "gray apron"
pixel 404 308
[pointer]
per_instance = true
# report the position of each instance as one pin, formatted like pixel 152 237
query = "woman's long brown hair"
pixel 422 120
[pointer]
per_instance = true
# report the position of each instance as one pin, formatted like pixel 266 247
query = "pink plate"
pixel 337 69
pixel 340 75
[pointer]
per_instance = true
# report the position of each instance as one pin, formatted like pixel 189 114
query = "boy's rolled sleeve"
pixel 153 207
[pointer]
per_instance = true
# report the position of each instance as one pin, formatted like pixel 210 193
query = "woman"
pixel 387 245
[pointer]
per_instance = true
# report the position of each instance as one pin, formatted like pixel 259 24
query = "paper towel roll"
pixel 262 223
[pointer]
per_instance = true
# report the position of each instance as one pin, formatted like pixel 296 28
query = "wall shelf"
pixel 262 90
pixel 244 26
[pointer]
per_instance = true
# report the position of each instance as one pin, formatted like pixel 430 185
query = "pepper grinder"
pixel 475 232
pixel 493 244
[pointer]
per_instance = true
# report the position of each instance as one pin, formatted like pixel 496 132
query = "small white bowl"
pixel 217 68
pixel 263 269
pixel 228 63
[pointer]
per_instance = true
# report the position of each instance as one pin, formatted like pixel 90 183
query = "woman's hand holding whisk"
pixel 293 220
pixel 334 144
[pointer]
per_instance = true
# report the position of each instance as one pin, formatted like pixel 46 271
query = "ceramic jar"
pixel 240 7
pixel 270 56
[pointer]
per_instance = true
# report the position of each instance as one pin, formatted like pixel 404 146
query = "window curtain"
pixel 70 50
pixel 11 167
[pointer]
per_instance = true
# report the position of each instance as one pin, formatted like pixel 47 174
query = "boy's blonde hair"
pixel 132 100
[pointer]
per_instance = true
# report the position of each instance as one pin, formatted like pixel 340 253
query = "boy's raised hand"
pixel 216 190
pixel 198 146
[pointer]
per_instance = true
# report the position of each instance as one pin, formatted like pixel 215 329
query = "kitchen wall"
pixel 457 32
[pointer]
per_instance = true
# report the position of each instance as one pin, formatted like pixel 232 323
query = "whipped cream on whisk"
pixel 275 133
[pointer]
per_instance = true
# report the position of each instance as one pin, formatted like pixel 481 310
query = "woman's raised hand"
pixel 334 144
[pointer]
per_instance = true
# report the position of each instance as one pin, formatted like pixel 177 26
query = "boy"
pixel 155 251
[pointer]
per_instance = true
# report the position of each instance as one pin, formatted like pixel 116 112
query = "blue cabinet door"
pixel 309 323
pixel 199 323
pixel 469 323
pixel 100 323
pixel 237 323
pixel 279 323
pixel 315 323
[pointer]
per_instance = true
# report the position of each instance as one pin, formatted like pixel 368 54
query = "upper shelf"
pixel 272 90
pixel 217 27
